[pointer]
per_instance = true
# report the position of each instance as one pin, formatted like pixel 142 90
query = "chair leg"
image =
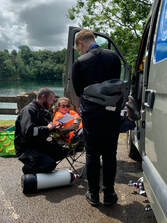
pixel 79 174
pixel 82 171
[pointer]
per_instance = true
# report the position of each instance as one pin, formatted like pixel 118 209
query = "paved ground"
pixel 68 204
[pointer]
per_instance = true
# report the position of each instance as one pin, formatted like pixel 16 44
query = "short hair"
pixel 46 91
pixel 85 35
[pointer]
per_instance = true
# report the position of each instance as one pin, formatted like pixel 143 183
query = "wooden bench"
pixel 8 111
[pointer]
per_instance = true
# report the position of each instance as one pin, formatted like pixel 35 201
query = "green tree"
pixel 25 53
pixel 47 71
pixel 45 55
pixel 35 67
pixel 21 69
pixel 59 57
pixel 4 55
pixel 6 66
pixel 123 20
pixel 7 69
pixel 14 53
pixel 32 65
pixel 59 70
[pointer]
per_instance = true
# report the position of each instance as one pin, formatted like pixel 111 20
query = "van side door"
pixel 155 106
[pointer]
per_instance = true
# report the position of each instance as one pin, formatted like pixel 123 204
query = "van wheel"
pixel 133 153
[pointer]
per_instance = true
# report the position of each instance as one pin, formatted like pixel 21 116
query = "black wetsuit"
pixel 101 127
pixel 33 145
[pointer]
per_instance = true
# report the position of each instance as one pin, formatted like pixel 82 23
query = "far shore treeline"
pixel 26 64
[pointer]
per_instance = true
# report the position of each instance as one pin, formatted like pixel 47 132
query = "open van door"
pixel 136 137
pixel 103 41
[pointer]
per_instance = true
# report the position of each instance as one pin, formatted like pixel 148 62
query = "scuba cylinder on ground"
pixel 31 183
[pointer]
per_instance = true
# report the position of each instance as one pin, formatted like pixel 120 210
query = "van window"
pixel 160 52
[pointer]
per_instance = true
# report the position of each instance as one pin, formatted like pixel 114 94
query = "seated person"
pixel 33 144
pixel 70 120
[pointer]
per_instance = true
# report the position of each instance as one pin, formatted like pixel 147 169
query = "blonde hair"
pixel 63 99
pixel 56 106
pixel 85 35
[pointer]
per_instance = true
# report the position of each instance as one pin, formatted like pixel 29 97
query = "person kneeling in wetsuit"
pixel 34 147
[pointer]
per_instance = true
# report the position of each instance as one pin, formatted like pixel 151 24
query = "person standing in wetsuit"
pixel 100 126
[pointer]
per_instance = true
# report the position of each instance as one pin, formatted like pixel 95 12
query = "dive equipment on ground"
pixel 31 183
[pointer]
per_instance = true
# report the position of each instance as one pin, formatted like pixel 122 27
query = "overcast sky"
pixel 40 24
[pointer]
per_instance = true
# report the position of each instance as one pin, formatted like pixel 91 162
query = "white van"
pixel 150 93
pixel 149 89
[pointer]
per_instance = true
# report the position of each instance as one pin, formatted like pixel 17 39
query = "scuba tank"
pixel 31 183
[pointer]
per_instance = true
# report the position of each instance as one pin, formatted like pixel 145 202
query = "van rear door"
pixel 103 41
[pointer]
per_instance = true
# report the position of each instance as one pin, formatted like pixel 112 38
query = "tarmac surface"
pixel 68 204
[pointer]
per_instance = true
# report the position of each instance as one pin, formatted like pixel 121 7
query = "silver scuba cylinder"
pixel 31 183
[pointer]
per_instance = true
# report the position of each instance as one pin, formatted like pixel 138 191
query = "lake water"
pixel 13 88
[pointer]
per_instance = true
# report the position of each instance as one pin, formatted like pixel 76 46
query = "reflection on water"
pixel 13 88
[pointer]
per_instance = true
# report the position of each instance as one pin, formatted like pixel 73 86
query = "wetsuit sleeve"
pixel 30 126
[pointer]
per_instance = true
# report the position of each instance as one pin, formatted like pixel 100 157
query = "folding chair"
pixel 76 152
